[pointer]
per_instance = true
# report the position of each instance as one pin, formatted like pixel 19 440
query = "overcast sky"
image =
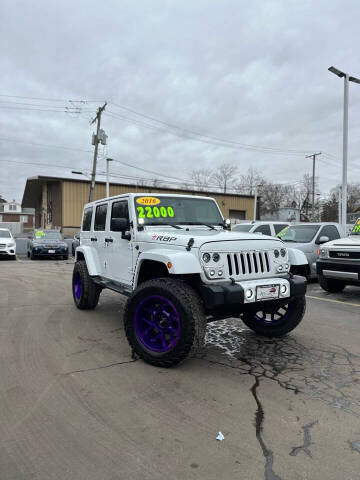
pixel 253 73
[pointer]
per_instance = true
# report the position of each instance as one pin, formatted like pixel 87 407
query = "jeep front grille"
pixel 246 263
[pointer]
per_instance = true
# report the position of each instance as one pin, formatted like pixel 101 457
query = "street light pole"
pixel 313 156
pixel 108 160
pixel 347 79
pixel 345 152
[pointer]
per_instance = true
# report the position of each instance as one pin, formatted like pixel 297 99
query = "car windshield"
pixel 356 228
pixel 242 228
pixel 159 210
pixel 4 234
pixel 47 235
pixel 298 233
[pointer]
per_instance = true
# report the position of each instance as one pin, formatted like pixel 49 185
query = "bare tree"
pixel 201 178
pixel 249 181
pixel 155 182
pixel 225 176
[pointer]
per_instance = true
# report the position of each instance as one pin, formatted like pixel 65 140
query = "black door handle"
pixel 93 239
pixel 109 240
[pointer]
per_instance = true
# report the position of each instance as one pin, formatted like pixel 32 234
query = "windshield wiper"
pixel 199 223
pixel 288 240
pixel 162 224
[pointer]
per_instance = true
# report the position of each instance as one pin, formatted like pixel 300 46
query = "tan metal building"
pixel 59 202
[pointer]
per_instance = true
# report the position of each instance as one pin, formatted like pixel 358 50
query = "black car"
pixel 47 243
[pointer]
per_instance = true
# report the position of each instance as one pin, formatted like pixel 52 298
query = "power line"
pixel 50 99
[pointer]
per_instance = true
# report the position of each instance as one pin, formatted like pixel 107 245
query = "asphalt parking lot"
pixel 76 406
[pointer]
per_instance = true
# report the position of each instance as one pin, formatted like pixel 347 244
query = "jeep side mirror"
pixel 323 239
pixel 119 224
pixel 227 223
pixel 77 236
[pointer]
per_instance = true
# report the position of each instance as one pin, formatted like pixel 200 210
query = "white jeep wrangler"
pixel 176 259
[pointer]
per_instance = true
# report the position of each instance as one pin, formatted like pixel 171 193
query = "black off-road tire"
pixel 90 293
pixel 32 256
pixel 191 313
pixel 331 285
pixel 295 313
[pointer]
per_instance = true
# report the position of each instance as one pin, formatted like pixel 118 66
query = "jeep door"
pixel 119 250
pixel 98 238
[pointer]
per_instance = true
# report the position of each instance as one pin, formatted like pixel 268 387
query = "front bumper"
pixel 8 251
pixel 50 252
pixel 348 271
pixel 231 297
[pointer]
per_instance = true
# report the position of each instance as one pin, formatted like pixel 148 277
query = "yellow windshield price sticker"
pixel 356 228
pixel 282 232
pixel 39 234
pixel 148 201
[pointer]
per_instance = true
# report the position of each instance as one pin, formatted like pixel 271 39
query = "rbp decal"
pixel 162 238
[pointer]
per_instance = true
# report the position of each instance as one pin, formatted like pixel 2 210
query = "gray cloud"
pixel 253 73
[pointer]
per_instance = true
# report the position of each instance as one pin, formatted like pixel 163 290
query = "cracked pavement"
pixel 76 405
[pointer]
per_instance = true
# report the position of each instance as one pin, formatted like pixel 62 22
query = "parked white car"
pixel 176 259
pixel 263 227
pixel 7 244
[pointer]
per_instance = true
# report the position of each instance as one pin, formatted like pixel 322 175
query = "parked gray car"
pixel 307 237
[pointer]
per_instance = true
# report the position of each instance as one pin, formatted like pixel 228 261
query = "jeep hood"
pixel 202 236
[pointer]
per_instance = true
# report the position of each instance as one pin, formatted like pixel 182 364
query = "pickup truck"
pixel 339 262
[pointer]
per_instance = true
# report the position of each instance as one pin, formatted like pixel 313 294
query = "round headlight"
pixel 206 257
pixel 276 253
pixel 283 252
pixel 216 257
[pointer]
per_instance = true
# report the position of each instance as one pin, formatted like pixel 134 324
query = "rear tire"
pixel 164 320
pixel 278 323
pixel 85 291
pixel 331 285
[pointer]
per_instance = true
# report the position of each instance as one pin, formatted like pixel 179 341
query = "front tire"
pixel 331 285
pixel 164 320
pixel 279 322
pixel 85 291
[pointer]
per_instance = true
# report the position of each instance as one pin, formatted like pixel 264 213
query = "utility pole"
pixel 313 156
pixel 96 140
pixel 108 160
pixel 339 205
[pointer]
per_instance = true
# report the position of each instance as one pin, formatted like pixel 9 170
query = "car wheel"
pixel 32 256
pixel 331 285
pixel 85 291
pixel 164 320
pixel 278 321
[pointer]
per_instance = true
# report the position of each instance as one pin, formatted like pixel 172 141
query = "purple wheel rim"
pixel 273 318
pixel 157 324
pixel 77 286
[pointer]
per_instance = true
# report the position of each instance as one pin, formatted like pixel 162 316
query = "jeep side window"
pixel 100 217
pixel 264 229
pixel 329 231
pixel 119 210
pixel 279 226
pixel 86 225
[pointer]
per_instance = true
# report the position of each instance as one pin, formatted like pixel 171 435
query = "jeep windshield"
pixel 47 235
pixel 298 233
pixel 161 210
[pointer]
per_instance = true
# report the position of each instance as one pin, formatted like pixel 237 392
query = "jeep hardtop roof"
pixel 146 194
